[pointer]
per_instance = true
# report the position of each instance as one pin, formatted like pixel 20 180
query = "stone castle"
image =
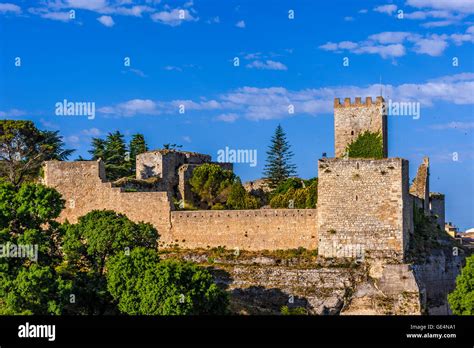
pixel 363 204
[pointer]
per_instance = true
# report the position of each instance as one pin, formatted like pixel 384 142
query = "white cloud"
pixel 363 11
pixel 240 24
pixel 174 17
pixel 187 138
pixel 57 16
pixel 393 44
pixel 388 9
pixel 273 102
pixel 93 132
pixel 267 65
pixel 131 108
pixel 348 18
pixel 7 7
pixel 172 67
pixel 389 37
pixel 12 113
pixel 86 4
pixel 433 46
pixel 461 6
pixel 138 72
pixel 72 139
pixel 230 117
pixel 106 20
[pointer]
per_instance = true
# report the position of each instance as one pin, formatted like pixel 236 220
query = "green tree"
pixel 292 190
pixel 209 181
pixel 461 300
pixel 98 149
pixel 116 161
pixel 30 285
pixel 88 245
pixel 142 284
pixel 367 145
pixel 278 167
pixel 23 148
pixel 136 147
pixel 238 198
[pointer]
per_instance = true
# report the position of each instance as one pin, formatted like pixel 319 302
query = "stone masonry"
pixel 352 119
pixel 364 205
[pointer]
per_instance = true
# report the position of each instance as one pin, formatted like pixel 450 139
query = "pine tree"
pixel 136 147
pixel 279 167
pixel 98 149
pixel 116 159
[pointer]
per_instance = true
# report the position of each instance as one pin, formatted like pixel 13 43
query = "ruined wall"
pixel 437 208
pixel 363 202
pixel 82 184
pixel 264 229
pixel 350 120
pixel 421 185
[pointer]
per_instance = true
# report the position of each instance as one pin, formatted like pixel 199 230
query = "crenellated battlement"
pixel 358 102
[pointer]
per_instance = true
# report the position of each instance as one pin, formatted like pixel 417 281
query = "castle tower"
pixel 350 120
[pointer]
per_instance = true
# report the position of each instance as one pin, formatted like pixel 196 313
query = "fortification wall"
pixel 83 186
pixel 421 185
pixel 363 204
pixel 352 119
pixel 437 208
pixel 265 229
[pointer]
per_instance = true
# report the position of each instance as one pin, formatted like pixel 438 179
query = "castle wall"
pixel 437 208
pixel 82 185
pixel 352 119
pixel 421 185
pixel 264 229
pixel 363 204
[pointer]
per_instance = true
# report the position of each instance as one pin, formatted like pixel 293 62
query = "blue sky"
pixel 183 53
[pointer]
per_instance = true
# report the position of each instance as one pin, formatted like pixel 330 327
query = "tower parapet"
pixel 354 118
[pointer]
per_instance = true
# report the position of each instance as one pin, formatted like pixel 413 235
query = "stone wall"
pixel 420 187
pixel 264 229
pixel 82 184
pixel 352 119
pixel 363 204
pixel 437 208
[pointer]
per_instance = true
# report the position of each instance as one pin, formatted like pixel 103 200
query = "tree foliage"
pixel 209 181
pixel 29 286
pixel 278 167
pixel 461 300
pixel 119 159
pixel 367 145
pixel 142 284
pixel 239 198
pixel 88 245
pixel 137 146
pixel 292 194
pixel 23 148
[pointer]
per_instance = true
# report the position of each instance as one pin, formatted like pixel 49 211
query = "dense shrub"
pixel 367 145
